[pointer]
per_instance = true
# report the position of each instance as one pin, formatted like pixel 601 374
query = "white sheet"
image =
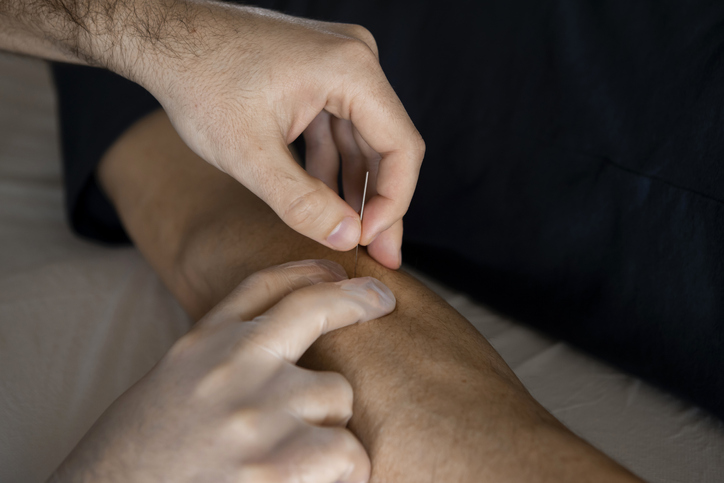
pixel 79 323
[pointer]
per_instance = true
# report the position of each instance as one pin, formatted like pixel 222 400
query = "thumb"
pixel 303 202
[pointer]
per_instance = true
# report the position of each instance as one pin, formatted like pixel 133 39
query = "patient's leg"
pixel 433 400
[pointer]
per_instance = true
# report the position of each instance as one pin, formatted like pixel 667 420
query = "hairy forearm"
pixel 121 35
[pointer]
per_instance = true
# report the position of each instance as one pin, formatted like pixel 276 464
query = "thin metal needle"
pixel 361 213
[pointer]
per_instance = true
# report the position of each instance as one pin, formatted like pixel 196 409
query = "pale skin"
pixel 239 84
pixel 228 404
pixel 432 400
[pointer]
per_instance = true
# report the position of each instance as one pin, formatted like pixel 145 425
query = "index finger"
pixel 382 121
pixel 289 328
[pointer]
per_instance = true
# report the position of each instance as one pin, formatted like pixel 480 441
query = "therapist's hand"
pixel 227 403
pixel 240 84
pixel 245 82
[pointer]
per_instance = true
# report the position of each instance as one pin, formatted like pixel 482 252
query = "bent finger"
pixel 319 398
pixel 322 157
pixel 291 326
pixel 325 400
pixel 354 164
pixel 385 126
pixel 305 203
pixel 358 32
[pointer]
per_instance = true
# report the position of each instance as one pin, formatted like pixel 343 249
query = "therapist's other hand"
pixel 227 402
pixel 244 82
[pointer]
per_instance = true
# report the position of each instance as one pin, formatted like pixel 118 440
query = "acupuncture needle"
pixel 361 213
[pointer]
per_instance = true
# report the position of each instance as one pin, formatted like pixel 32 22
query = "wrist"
pixel 140 39
pixel 148 39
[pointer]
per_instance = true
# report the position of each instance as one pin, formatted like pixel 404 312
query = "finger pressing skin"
pixel 303 202
pixel 260 291
pixel 316 454
pixel 291 326
pixel 322 157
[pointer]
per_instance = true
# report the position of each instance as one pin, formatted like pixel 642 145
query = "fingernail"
pixel 363 285
pixel 345 236
pixel 335 268
pixel 329 266
pixel 387 298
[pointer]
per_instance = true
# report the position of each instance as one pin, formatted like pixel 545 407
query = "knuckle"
pixel 247 424
pixel 341 386
pixel 213 381
pixel 264 280
pixel 419 147
pixel 308 209
pixel 363 34
pixel 360 51
pixel 185 345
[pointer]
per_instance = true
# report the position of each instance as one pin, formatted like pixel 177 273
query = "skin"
pixel 239 84
pixel 228 402
pixel 433 400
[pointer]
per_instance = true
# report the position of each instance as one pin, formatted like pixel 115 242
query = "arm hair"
pixel 104 33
